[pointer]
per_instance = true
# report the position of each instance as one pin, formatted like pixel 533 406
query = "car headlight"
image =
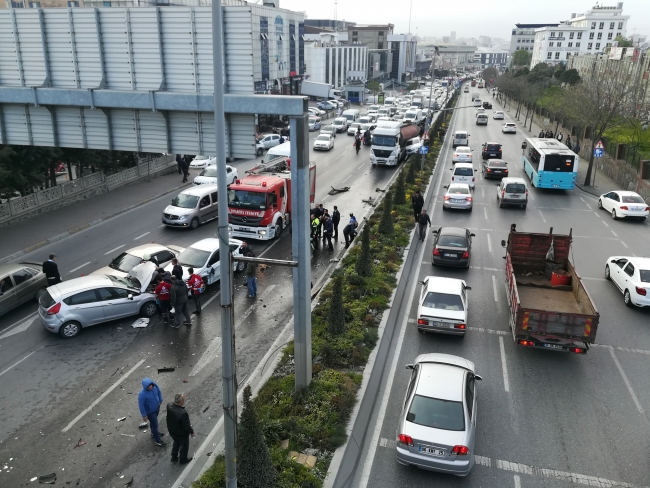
pixel 182 217
pixel 229 228
pixel 261 232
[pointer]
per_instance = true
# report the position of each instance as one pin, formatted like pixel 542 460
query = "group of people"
pixel 324 225
pixel 421 216
pixel 183 164
pixel 172 292
pixel 548 134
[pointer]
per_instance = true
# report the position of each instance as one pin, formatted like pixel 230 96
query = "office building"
pixel 523 36
pixel 603 25
pixel 555 45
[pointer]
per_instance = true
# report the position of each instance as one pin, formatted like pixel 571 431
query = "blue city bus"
pixel 550 164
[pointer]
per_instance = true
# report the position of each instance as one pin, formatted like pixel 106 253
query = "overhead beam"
pixel 143 100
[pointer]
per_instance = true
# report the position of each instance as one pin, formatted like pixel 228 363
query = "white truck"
pixel 389 142
pixel 319 90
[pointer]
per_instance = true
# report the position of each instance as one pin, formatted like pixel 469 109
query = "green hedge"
pixel 316 417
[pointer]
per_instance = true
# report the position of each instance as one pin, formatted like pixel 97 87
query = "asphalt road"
pixel 545 419
pixel 57 392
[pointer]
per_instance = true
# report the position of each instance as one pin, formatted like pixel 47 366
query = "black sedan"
pixel 487 105
pixel 491 150
pixel 495 168
pixel 452 246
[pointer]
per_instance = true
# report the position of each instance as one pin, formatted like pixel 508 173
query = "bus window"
pixel 533 155
pixel 559 163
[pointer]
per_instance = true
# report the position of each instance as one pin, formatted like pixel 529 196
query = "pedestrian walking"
pixel 424 221
pixel 163 296
pixel 336 218
pixel 186 168
pixel 251 276
pixel 338 112
pixel 559 136
pixel 179 163
pixel 177 270
pixel 195 284
pixel 417 202
pixel 179 301
pixel 568 141
pixel 149 401
pixel 357 141
pixel 328 231
pixel 180 429
pixel 51 270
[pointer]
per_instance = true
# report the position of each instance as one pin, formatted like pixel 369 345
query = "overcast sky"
pixel 472 18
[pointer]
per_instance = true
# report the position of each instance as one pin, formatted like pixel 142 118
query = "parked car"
pixel 443 305
pixel 71 305
pixel 452 246
pixel 328 129
pixel 437 425
pixel 324 142
pixel 458 196
pixel 126 261
pixel 509 128
pixel 413 146
pixel 20 283
pixel 209 175
pixel 316 111
pixel 498 115
pixel 200 161
pixel 462 154
pixel 266 141
pixel 491 150
pixel 631 275
pixel 203 256
pixel 327 105
pixel 495 168
pixel 624 204
pixel 314 123
pixel 512 191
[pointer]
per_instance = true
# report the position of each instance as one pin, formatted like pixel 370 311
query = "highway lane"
pixel 544 419
pixel 54 380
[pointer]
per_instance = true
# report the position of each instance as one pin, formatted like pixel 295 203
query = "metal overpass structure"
pixel 129 79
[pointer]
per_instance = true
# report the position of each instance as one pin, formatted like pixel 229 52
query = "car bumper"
pixel 176 223
pixel 460 206
pixel 461 160
pixel 640 300
pixel 514 201
pixel 494 175
pixel 458 468
pixel 509 131
pixel 457 263
pixel 260 233
pixel 51 322
pixel 631 213
pixel 321 148
pixel 441 330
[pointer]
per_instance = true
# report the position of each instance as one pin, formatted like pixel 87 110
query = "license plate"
pixel 443 324
pixel 553 346
pixel 555 186
pixel 448 255
pixel 432 451
pixel 514 196
pixel 492 154
pixel 457 201
pixel 244 229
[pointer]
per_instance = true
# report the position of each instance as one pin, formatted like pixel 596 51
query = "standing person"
pixel 417 202
pixel 568 141
pixel 149 401
pixel 423 221
pixel 328 231
pixel 251 275
pixel 179 163
pixel 186 168
pixel 319 211
pixel 179 428
pixel 338 112
pixel 357 140
pixel 51 270
pixel 195 283
pixel 179 302
pixel 336 218
pixel 559 136
pixel 541 134
pixel 349 231
pixel 177 270
pixel 163 295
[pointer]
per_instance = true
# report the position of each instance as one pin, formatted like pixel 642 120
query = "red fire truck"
pixel 259 205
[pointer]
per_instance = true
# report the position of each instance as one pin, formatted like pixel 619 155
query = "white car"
pixel 412 146
pixel 443 305
pixel 462 154
pixel 353 128
pixel 480 110
pixel 203 256
pixel 209 175
pixel 632 276
pixel 202 161
pixel 127 260
pixel 324 142
pixel 314 123
pixel 622 204
pixel 498 115
pixel 266 141
pixel 509 128
pixel 316 111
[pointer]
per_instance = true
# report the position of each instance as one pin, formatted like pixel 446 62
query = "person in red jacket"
pixel 195 283
pixel 163 294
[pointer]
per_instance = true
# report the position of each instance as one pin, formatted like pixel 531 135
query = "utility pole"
pixel 228 367
pixel 433 77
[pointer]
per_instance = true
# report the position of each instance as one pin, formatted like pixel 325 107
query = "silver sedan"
pixel 20 283
pixel 458 196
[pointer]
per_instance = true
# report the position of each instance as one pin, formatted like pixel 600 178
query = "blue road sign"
pixel 598 153
pixel 424 149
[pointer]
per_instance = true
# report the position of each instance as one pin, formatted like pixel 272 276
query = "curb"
pixel 586 190
pixel 83 227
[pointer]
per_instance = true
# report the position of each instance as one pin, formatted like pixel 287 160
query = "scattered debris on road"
pixel 121 419
pixel 380 190
pixel 143 425
pixel 140 323
pixel 168 369
pixel 80 443
pixel 334 191
pixel 127 435
pixel 47 479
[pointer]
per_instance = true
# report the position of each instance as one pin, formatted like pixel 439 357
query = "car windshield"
pixel 463 172
pixel 323 138
pixel 631 199
pixel 327 128
pixel 465 150
pixel 451 241
pixel 388 141
pixel 373 108
pixel 247 199
pixel 495 163
pixel 436 413
pixel 312 120
pixel 443 301
pixel 210 171
pixel 645 275
pixel 493 147
pixel 200 157
pixel 185 201
pixel 194 258
pixel 458 190
pixel 510 125
pixel 409 115
pixel 365 127
pixel 515 188
pixel 125 262
pixel 128 281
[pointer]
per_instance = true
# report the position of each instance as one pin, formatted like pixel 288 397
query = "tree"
pixel 24 169
pixel 410 174
pixel 623 42
pixel 373 85
pixel 254 465
pixel 364 261
pixel 386 222
pixel 571 77
pixel 521 57
pixel 400 190
pixel 489 73
pixel 336 317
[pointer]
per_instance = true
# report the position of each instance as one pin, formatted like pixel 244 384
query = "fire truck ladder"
pixel 273 166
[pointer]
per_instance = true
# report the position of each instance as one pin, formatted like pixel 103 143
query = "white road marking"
pixel 504 366
pixel 517 481
pixel 113 250
pixel 485 212
pixel 494 286
pixel 103 395
pixel 592 279
pixel 483 192
pixel 347 178
pixel 627 382
pixel 19 327
pixel 588 206
pixel 615 234
pixel 486 269
pixel 78 267
pixel 489 243
pixel 582 198
pixel 624 245
pixel 139 237
pixel 361 166
pixel 16 363
pixel 542 215
pixel 164 225
pixel 18 323
pixel 605 223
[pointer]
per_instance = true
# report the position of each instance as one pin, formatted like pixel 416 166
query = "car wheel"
pixel 278 229
pixel 600 203
pixel 470 208
pixel 608 276
pixel 70 330
pixel 614 214
pixel 444 208
pixel 148 309
pixel 260 151
pixel 194 224
pixel 627 299
pixel 500 204
pixel 523 207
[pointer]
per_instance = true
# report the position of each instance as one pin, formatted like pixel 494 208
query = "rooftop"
pixel 534 26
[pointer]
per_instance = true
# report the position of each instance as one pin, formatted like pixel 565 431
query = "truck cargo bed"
pixel 559 301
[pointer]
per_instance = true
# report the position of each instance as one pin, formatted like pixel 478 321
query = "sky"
pixel 472 18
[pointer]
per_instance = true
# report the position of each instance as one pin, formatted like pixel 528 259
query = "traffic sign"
pixel 599 150
pixel 424 149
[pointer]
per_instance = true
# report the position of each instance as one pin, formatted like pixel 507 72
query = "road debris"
pixel 168 369
pixel 140 323
pixel 47 479
pixel 143 425
pixel 334 191
pixel 185 381
pixel 80 443
pixel 127 435
pixel 121 419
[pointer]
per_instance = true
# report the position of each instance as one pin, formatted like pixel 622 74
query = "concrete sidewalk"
pixel 602 184
pixel 46 228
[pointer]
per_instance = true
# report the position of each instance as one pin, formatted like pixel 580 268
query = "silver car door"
pixel 8 299
pixel 205 208
pixel 86 307
pixel 116 303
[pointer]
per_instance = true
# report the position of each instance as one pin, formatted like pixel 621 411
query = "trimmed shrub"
pixel 364 261
pixel 410 174
pixel 386 222
pixel 336 318
pixel 400 190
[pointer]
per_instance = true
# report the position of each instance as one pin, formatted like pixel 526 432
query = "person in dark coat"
pixel 179 301
pixel 179 163
pixel 186 168
pixel 179 428
pixel 51 270
pixel 177 269
pixel 423 222
pixel 541 134
pixel 417 201
pixel 328 231
pixel 336 218
pixel 149 401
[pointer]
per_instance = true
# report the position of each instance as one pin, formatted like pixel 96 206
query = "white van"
pixel 478 102
pixel 481 119
pixel 464 173
pixel 414 116
pixel 461 138
pixel 389 101
pixel 340 124
pixel 281 150
pixel 512 191
pixel 192 207
pixel 352 115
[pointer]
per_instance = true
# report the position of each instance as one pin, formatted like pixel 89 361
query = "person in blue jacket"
pixel 149 401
